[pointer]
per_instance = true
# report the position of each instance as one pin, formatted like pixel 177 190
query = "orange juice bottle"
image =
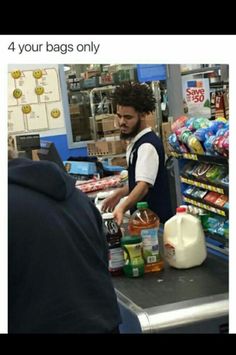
pixel 145 223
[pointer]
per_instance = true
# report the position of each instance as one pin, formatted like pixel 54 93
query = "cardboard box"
pixel 166 132
pixel 91 83
pixel 151 121
pixel 104 116
pixel 112 135
pixel 91 73
pixel 105 148
pixel 119 161
pixel 108 124
pixel 74 108
pixel 106 79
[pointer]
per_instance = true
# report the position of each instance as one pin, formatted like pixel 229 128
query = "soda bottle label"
pixel 151 251
pixel 115 253
pixel 112 227
pixel 116 258
pixel 133 254
pixel 133 263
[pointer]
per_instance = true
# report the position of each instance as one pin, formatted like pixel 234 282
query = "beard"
pixel 133 133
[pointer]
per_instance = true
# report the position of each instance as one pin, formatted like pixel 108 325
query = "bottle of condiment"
pixel 134 263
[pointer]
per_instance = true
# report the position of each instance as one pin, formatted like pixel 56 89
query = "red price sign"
pixel 195 95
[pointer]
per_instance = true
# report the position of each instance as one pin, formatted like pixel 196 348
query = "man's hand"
pixel 111 202
pixel 118 215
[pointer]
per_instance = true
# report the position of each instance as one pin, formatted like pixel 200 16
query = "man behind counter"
pixel 145 155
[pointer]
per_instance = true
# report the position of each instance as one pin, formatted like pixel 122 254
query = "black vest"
pixel 158 196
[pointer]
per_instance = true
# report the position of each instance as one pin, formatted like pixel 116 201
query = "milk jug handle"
pixel 179 234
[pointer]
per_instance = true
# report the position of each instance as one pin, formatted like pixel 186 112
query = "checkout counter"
pixel 173 300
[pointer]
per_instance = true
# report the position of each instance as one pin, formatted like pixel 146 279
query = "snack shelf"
pixel 222 240
pixel 205 185
pixel 212 208
pixel 201 158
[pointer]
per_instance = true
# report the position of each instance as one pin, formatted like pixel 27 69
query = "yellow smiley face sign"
pixel 55 113
pixel 17 93
pixel 37 74
pixel 39 90
pixel 16 74
pixel 26 109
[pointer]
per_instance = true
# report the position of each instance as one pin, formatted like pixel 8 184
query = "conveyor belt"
pixel 171 285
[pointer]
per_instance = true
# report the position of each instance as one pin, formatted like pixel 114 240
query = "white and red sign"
pixel 196 96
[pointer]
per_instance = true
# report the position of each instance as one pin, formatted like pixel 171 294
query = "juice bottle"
pixel 113 235
pixel 145 223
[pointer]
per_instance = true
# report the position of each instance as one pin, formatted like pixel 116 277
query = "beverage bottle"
pixel 184 240
pixel 145 223
pixel 133 263
pixel 113 235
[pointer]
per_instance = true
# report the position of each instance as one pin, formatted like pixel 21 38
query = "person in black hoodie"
pixel 148 180
pixel 58 278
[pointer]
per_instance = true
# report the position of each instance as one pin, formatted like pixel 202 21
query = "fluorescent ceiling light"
pixel 67 68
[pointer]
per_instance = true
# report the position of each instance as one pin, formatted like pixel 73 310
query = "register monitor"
pixel 48 151
pixel 26 143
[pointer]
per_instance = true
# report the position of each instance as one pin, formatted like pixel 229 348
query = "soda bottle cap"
pixel 127 239
pixel 103 194
pixel 107 215
pixel 181 209
pixel 142 205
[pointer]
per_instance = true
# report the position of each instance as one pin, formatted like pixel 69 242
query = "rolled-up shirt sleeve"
pixel 147 164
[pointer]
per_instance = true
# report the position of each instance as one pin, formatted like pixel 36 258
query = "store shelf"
pixel 223 253
pixel 221 241
pixel 111 155
pixel 201 158
pixel 204 70
pixel 209 207
pixel 205 185
pixel 219 84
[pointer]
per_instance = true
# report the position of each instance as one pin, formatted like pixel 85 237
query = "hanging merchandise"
pixel 226 104
pixel 164 106
pixel 219 105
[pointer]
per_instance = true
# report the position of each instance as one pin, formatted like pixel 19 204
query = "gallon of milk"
pixel 184 240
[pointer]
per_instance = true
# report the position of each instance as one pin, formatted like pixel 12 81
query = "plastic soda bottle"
pixel 145 223
pixel 113 235
pixel 134 263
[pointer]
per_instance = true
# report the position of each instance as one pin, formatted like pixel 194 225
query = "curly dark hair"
pixel 138 96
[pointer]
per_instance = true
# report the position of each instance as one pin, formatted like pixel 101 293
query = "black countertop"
pixel 174 285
